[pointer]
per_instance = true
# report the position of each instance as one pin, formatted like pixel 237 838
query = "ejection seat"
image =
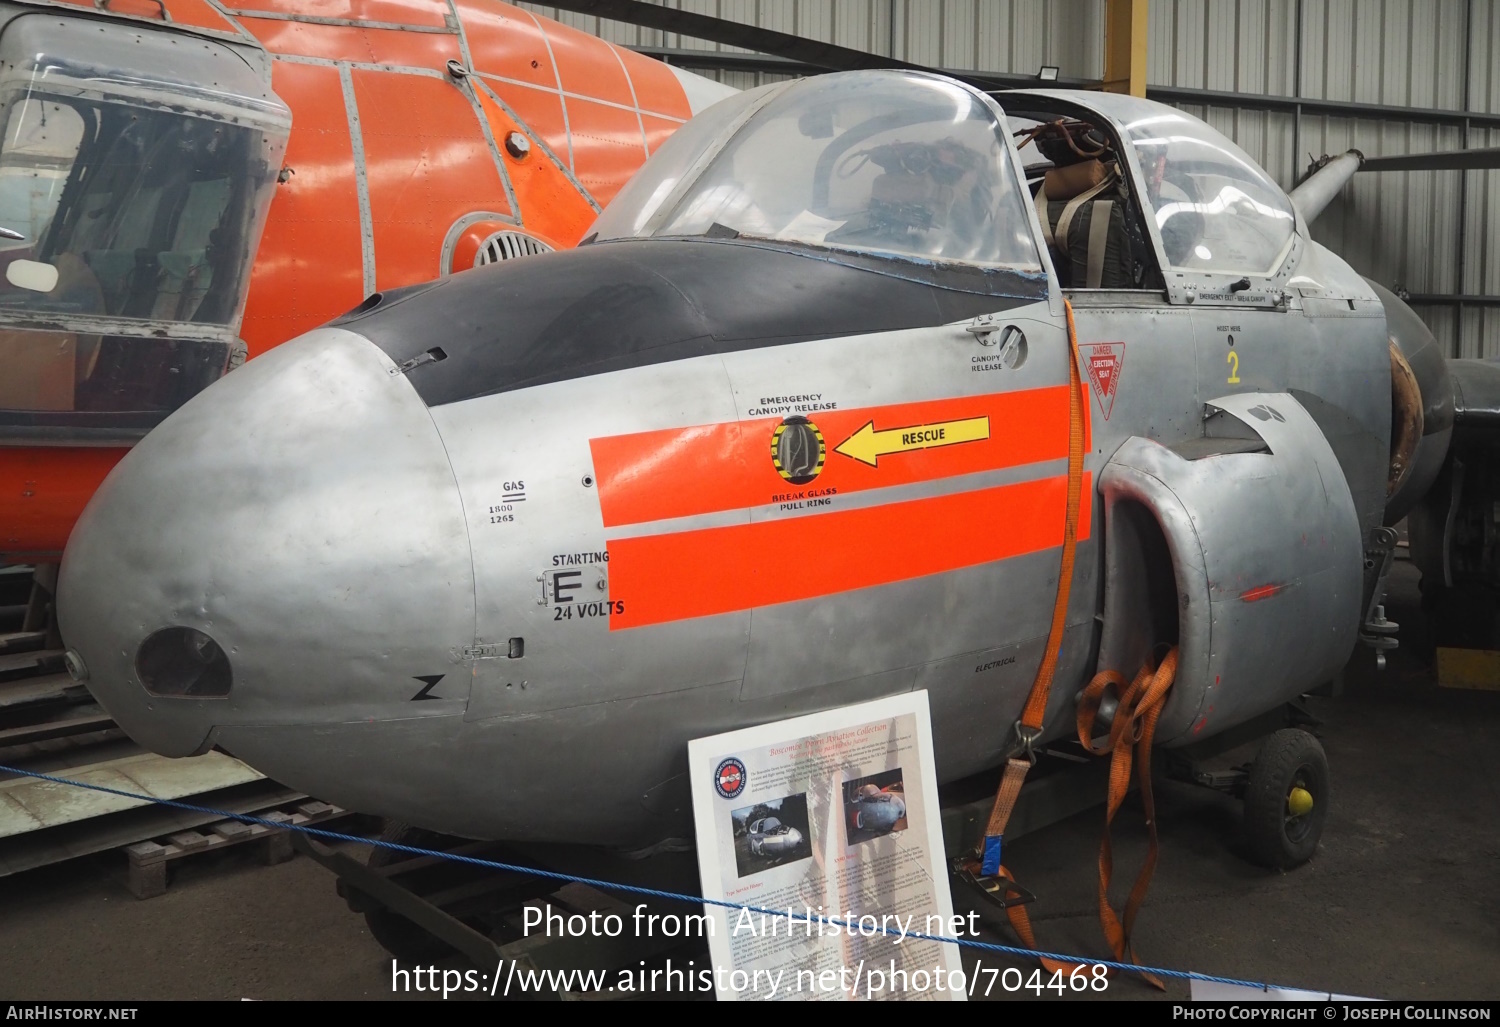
pixel 1084 204
pixel 1084 225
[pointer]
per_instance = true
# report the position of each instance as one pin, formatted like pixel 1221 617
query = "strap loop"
pixel 1026 742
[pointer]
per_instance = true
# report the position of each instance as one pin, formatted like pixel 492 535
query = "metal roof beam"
pixel 720 61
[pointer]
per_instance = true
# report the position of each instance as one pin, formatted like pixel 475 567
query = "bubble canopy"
pixel 1215 208
pixel 902 164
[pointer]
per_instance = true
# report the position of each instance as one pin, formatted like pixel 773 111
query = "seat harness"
pixel 1099 217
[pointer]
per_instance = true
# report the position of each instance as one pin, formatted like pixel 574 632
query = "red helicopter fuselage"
pixel 392 141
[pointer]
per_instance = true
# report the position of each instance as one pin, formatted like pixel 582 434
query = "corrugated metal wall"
pixel 1399 228
pixel 1427 232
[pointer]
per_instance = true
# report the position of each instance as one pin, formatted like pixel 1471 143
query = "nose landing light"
pixel 183 662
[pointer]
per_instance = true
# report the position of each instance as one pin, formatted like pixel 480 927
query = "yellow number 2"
pixel 1233 359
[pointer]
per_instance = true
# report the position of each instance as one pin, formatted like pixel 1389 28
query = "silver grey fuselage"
pixel 346 543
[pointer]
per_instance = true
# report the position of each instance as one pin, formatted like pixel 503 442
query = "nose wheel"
pixel 1286 799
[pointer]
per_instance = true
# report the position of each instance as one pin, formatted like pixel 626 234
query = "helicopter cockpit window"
pixel 116 213
pixel 135 176
pixel 1215 209
pixel 125 211
pixel 906 165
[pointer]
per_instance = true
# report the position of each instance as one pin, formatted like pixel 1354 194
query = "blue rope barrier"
pixel 984 946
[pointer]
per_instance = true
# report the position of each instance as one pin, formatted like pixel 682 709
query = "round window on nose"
pixel 184 662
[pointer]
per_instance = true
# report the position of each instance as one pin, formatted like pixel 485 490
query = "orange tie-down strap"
pixel 1005 802
pixel 1131 734
pixel 1029 727
pixel 986 862
pixel 1128 744
pixel 1139 707
pixel 1041 686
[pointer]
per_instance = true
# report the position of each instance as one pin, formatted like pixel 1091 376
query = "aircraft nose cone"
pixel 289 547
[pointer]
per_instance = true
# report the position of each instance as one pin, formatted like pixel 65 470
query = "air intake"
pixel 508 246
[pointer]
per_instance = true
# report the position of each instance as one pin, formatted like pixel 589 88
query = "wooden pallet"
pixel 111 832
pixel 31 661
pixel 45 725
pixel 30 664
pixel 148 860
pixel 43 689
pixel 22 641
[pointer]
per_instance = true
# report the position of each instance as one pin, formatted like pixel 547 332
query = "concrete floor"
pixel 1401 901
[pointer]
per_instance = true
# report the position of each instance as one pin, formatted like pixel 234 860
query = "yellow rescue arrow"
pixel 868 445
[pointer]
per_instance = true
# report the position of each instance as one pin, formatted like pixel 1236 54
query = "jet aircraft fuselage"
pixel 789 431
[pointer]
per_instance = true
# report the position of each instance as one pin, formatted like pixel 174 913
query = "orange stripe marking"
pixel 672 577
pixel 678 472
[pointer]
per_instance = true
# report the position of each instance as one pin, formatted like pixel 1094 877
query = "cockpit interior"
pixel 1089 217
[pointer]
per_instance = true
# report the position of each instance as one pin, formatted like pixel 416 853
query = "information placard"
pixel 836 815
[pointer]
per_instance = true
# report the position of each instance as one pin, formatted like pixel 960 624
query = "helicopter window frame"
pixel 136 204
pixel 105 369
pixel 162 120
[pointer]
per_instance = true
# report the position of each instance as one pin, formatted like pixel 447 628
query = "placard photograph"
pixel 875 806
pixel 771 834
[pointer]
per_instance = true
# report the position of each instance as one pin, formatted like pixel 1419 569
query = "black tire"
pixel 396 934
pixel 1277 838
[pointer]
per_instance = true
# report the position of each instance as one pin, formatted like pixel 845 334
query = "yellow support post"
pixel 1125 24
